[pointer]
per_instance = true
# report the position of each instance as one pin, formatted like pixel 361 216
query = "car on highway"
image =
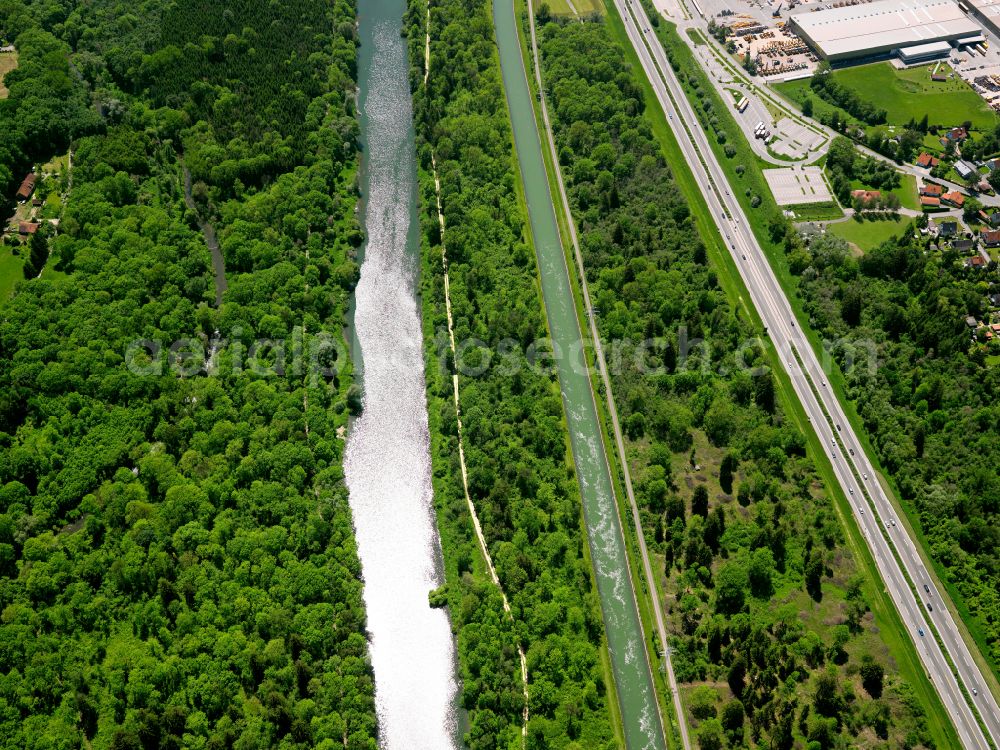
pixel 921 631
pixel 851 450
pixel 852 490
pixel 744 257
pixel 975 692
pixel 929 607
pixel 927 588
pixel 838 428
pixel 866 477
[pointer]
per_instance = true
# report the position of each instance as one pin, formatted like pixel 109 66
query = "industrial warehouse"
pixel 915 30
pixel 987 11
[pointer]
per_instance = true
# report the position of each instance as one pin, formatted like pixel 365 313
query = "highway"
pixel 905 576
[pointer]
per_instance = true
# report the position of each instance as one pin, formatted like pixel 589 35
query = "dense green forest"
pixel 47 104
pixel 516 443
pixel 771 631
pixel 930 405
pixel 177 562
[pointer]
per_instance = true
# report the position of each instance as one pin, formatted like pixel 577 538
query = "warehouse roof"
pixel 989 8
pixel 884 25
pixel 916 51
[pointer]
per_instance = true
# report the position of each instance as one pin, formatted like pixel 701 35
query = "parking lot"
pixel 795 185
pixel 794 140
pixel 981 72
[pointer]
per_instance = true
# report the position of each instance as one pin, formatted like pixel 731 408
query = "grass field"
pixel 582 7
pixel 910 94
pixel 10 270
pixel 904 94
pixel 8 61
pixel 798 91
pixel 906 192
pixel 868 234
pixel 816 211
pixel 696 37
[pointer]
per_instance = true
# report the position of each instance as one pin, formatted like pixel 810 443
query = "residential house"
pixel 991 238
pixel 927 161
pixel 963 246
pixel 927 202
pixel 27 227
pixel 27 188
pixel 954 198
pixel 929 188
pixel 956 135
pixel 964 169
pixel 994 301
pixel 971 322
pixel 947 229
pixel 976 261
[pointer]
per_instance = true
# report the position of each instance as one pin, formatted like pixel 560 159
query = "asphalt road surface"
pixel 905 577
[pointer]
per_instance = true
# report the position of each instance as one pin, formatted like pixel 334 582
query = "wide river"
pixel 387 460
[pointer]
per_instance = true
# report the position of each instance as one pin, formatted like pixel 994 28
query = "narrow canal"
pixel 387 461
pixel 630 664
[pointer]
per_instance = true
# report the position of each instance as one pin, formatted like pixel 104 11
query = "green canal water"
pixel 633 680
